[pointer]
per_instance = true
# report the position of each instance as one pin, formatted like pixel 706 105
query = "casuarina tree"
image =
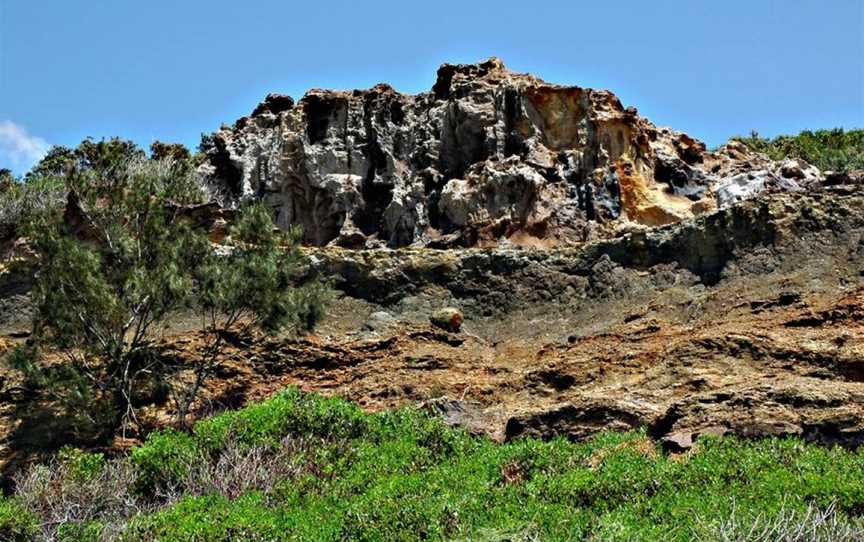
pixel 125 254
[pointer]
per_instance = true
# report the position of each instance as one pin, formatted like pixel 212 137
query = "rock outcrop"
pixel 487 155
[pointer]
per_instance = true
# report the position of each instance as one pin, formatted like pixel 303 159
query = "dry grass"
pixel 641 446
pixel 811 525
pixel 59 495
pixel 241 469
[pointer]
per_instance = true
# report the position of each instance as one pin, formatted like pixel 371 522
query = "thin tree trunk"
pixel 201 373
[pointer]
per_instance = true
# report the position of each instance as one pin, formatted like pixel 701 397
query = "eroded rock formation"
pixel 487 155
pixel 686 306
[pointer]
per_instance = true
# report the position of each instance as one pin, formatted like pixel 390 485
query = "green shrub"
pixel 16 522
pixel 291 412
pixel 90 531
pixel 406 476
pixel 211 519
pixel 427 431
pixel 829 150
pixel 162 461
pixel 81 465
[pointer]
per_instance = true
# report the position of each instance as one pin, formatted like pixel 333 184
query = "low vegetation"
pixel 303 467
pixel 829 150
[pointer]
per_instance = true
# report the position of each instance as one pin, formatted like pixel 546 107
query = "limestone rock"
pixel 741 174
pixel 487 157
pixel 486 282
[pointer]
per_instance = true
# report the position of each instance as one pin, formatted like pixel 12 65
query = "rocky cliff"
pixel 699 296
pixel 487 156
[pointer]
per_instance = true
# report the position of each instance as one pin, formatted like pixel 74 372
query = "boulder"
pixel 448 318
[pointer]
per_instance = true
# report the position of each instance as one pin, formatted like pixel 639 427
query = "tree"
pixel 250 287
pixel 170 151
pixel 89 156
pixel 123 256
pixel 43 190
pixel 6 179
pixel 20 200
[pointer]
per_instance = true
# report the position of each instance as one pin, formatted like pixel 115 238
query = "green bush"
pixel 288 413
pixel 16 522
pixel 90 531
pixel 406 476
pixel 162 462
pixel 208 518
pixel 829 150
pixel 81 465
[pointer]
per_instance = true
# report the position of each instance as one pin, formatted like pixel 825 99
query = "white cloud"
pixel 18 149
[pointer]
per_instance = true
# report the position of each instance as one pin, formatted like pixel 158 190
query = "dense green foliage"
pixel 403 475
pixel 115 264
pixel 122 255
pixel 829 150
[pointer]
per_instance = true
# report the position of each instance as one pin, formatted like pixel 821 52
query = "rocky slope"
pixel 746 321
pixel 486 156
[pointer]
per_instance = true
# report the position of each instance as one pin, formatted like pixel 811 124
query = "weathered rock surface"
pixel 784 232
pixel 747 321
pixel 487 156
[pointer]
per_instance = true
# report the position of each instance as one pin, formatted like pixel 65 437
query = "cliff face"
pixel 488 155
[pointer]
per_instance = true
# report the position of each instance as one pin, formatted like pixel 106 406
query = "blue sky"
pixel 171 69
